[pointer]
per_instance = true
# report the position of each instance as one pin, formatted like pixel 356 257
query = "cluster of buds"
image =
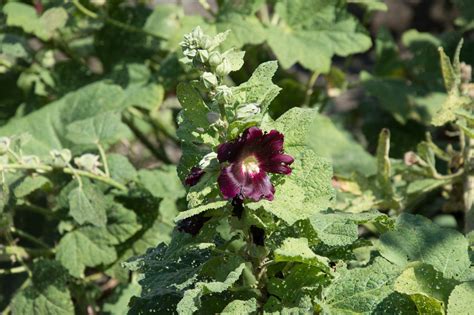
pixel 202 52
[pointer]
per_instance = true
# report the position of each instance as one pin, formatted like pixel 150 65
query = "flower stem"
pixel 111 21
pixel 310 88
pixel 19 269
pixel 468 185
pixel 29 237
pixel 103 157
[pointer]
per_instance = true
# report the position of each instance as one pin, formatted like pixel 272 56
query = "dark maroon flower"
pixel 194 177
pixel 250 158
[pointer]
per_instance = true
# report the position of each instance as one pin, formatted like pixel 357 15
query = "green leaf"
pixel 24 16
pixel 117 303
pixel 460 300
pixel 297 250
pixel 312 32
pixel 121 223
pixel 245 29
pixel 162 286
pixel 162 182
pixel 371 5
pixel 452 104
pixel 29 184
pixel 47 126
pixel 341 228
pixel 360 290
pixel 416 238
pixel 191 299
pixel 46 293
pixel 195 211
pixel 105 129
pixel 14 46
pixel 121 169
pixel 333 143
pixel 427 287
pixel 241 307
pixel 85 247
pixel 87 204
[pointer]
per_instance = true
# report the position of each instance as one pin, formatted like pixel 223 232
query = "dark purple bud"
pixel 194 177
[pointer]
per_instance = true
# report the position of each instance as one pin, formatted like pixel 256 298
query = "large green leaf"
pixel 460 300
pixel 312 32
pixel 427 287
pixel 416 238
pixel 87 204
pixel 46 293
pixel 360 290
pixel 85 247
pixel 24 16
pixel 48 126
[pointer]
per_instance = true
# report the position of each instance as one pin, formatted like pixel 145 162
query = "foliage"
pixel 108 107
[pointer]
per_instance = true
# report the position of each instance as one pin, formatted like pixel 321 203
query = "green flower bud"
pixel 202 55
pixel 4 144
pixel 247 110
pixel 215 59
pixel 89 162
pixel 224 68
pixel 209 80
pixel 224 94
pixel 60 158
pixel 209 161
pixel 30 160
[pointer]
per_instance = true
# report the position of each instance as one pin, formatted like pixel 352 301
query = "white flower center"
pixel 250 165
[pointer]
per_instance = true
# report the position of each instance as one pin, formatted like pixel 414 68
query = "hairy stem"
pixel 108 20
pixel 29 237
pixel 103 157
pixel 310 88
pixel 468 185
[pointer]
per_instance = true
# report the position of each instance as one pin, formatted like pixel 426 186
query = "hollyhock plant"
pixel 247 160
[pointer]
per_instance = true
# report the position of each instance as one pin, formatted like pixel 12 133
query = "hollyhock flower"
pixel 250 157
pixel 194 177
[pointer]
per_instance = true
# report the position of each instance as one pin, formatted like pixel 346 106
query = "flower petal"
pixel 278 164
pixel 258 186
pixel 229 182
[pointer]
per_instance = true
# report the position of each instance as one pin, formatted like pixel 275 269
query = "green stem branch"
pixel 310 88
pixel 29 237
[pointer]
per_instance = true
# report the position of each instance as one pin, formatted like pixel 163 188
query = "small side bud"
pixel 60 158
pixel 224 94
pixel 209 80
pixel 202 55
pixel 89 162
pixel 215 59
pixel 224 68
pixel 208 161
pixel 4 145
pixel 247 110
pixel 410 158
pixel 30 160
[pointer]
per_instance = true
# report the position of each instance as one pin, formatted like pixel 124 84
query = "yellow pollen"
pixel 250 165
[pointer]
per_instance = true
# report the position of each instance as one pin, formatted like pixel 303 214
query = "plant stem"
pixel 29 237
pixel 13 270
pixel 468 185
pixel 310 88
pixel 111 21
pixel 67 170
pixel 159 154
pixel 103 157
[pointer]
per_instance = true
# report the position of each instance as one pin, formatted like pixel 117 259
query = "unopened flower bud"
pixel 30 160
pixel 410 158
pixel 224 68
pixel 224 94
pixel 209 80
pixel 202 55
pixel 466 73
pixel 89 162
pixel 4 144
pixel 98 3
pixel 205 42
pixel 208 161
pixel 60 158
pixel 215 59
pixel 247 110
